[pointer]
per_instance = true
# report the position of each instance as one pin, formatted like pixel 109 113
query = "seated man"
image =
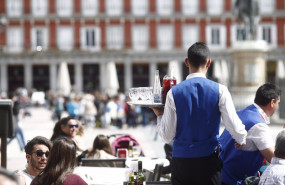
pixel 239 164
pixel 275 172
pixel 37 151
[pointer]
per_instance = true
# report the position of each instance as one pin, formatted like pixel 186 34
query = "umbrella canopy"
pixel 280 70
pixel 111 85
pixel 217 71
pixel 175 68
pixel 64 84
pixel 225 73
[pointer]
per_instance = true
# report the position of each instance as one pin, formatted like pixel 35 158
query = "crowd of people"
pixel 189 121
pixel 100 110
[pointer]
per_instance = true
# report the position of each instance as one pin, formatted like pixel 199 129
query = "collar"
pixel 194 75
pixel 262 114
pixel 276 160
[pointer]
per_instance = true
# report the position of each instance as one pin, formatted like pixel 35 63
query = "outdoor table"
pixel 148 163
pixel 103 175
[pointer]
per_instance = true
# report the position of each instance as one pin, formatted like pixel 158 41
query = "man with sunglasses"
pixel 37 151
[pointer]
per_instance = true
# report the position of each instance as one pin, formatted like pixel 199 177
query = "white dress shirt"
pixel 259 136
pixel 275 173
pixel 166 124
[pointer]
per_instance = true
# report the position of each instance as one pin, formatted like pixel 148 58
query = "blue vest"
pixel 238 164
pixel 198 118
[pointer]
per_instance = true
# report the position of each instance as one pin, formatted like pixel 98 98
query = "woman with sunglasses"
pixel 71 128
pixel 66 127
pixel 60 166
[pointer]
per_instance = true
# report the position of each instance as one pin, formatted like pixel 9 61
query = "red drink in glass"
pixel 122 153
pixel 167 83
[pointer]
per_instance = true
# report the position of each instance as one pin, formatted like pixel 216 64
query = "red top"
pixel 74 180
pixel 71 180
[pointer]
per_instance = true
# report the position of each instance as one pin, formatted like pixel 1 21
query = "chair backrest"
pixel 157 172
pixel 116 163
pixel 159 183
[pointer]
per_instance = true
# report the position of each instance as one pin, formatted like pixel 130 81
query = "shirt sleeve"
pixel 166 124
pixel 230 118
pixel 260 134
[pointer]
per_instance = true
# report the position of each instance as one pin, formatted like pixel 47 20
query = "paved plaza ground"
pixel 40 123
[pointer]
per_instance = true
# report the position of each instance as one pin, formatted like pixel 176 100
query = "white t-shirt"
pixel 28 178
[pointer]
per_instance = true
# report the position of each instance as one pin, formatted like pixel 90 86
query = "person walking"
pixel 239 164
pixel 191 117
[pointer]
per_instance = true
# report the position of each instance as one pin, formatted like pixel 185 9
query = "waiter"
pixel 192 116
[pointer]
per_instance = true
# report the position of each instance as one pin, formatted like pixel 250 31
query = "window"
pixel 90 38
pixel 140 37
pixel 190 7
pixel 64 7
pixel 164 7
pixel 216 36
pixel 267 6
pixel 115 37
pixel 89 7
pixel 165 37
pixel 215 7
pixel 114 7
pixel 39 38
pixel 268 33
pixel 14 8
pixel 39 7
pixel 15 39
pixel 65 38
pixel 190 35
pixel 139 7
pixel 237 33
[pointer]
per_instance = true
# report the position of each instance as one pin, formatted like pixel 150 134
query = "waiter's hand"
pixel 158 110
pixel 239 146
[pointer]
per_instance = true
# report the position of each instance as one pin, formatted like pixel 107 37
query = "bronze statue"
pixel 248 12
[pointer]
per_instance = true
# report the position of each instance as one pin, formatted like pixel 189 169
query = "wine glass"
pixel 136 151
pixel 134 94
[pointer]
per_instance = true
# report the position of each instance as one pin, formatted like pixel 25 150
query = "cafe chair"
pixel 159 183
pixel 115 163
pixel 155 176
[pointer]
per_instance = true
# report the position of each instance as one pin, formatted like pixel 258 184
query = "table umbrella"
pixel 64 84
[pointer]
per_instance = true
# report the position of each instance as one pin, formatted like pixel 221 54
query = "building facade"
pixel 140 36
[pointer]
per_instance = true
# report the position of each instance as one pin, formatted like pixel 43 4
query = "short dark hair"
pixel 38 140
pixel 266 93
pixel 280 145
pixel 198 54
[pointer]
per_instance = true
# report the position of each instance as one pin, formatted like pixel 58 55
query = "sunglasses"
pixel 71 126
pixel 40 153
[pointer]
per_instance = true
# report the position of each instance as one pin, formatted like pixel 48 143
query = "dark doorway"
pixel 121 76
pixel 41 77
pixel 71 73
pixel 140 75
pixel 15 77
pixel 91 78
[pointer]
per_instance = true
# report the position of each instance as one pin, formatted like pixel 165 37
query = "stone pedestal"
pixel 249 71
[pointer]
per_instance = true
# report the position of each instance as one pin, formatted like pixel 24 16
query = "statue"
pixel 248 12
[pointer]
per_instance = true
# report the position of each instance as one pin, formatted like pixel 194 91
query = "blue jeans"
pixel 19 135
